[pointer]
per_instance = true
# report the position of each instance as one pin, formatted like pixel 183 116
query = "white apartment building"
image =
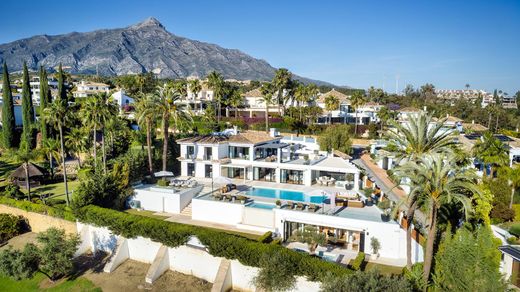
pixel 35 87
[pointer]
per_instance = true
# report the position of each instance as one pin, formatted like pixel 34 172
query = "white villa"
pixel 198 102
pixel 257 182
pixel 35 87
pixel 121 99
pixel 366 113
pixel 87 88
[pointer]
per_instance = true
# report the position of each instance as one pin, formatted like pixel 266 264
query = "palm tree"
pixel 76 141
pixel 25 155
pixel 356 100
pixel 89 113
pixel 57 114
pixel 490 151
pixel 146 113
pixel 267 90
pixel 331 104
pixel 195 87
pixel 170 108
pixel 414 140
pixel 282 79
pixel 436 182
pixel 513 176
pixel 216 83
pixel 51 149
pixel 236 100
pixel 384 115
pixel 140 79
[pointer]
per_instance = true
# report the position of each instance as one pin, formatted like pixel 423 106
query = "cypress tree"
pixel 44 101
pixel 27 110
pixel 8 122
pixel 62 93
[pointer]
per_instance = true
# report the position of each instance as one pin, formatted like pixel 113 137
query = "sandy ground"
pixel 130 277
pixel 18 242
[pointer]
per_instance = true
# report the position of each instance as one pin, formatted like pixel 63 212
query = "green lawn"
pixel 145 214
pixel 78 284
pixel 56 190
pixel 6 167
pixel 384 269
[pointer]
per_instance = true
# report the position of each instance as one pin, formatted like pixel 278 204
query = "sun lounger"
pixel 289 205
pixel 312 208
pixel 300 206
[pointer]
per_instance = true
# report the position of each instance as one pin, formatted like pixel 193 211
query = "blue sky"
pixel 355 43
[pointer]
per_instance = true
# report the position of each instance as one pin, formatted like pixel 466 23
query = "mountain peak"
pixel 149 22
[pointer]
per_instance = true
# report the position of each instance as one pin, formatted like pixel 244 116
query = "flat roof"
pixel 512 250
pixel 273 145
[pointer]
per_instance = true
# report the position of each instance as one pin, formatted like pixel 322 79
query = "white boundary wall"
pixel 184 259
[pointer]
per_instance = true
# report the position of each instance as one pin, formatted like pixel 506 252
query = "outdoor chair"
pixel 300 206
pixel 312 208
pixel 289 205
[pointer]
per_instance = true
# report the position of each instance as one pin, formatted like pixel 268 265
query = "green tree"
pixel 45 99
pixel 216 83
pixel 513 177
pixel 436 182
pixel 51 149
pixel 77 141
pixel 356 100
pixel 469 261
pixel 62 91
pixel 331 104
pixel 58 115
pixel 371 281
pixel 146 113
pixel 491 151
pixel 267 91
pixel 414 140
pixel 195 87
pixel 56 252
pixel 281 81
pixel 17 264
pixel 170 109
pixel 336 137
pixel 311 236
pixel 27 111
pixel 25 156
pixel 384 116
pixel 276 273
pixel 8 121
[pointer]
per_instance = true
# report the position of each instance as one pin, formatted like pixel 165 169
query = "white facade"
pixel 87 88
pixel 35 88
pixel 162 199
pixel 121 99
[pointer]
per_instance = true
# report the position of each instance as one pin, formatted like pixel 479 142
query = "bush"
pixel 385 204
pixel 502 213
pixel 277 273
pixel 13 191
pixel 10 226
pixel 356 263
pixel 515 229
pixel 512 240
pixel 39 208
pixel 163 183
pixel 266 238
pixel 366 281
pixel 220 244
pixel 19 265
pixel 56 252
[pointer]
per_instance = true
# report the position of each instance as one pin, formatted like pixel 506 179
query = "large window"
pixel 238 152
pixel 291 176
pixel 191 169
pixel 234 172
pixel 208 153
pixel 190 152
pixel 264 174
pixel 208 170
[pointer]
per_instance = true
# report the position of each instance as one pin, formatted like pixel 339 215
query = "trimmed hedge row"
pixel 38 208
pixel 266 237
pixel 220 244
pixel 356 263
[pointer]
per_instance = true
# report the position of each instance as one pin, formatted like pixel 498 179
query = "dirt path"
pixel 130 277
pixel 18 242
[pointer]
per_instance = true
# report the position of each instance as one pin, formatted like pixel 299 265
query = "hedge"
pixel 266 237
pixel 358 261
pixel 219 244
pixel 38 208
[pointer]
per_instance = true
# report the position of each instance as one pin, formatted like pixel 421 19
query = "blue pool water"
pixel 284 195
pixel 262 206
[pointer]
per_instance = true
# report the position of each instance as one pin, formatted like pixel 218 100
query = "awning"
pixel 272 145
pixel 236 165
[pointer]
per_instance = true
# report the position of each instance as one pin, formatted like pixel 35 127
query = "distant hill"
pixel 140 48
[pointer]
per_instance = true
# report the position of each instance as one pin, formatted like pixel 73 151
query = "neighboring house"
pixel 344 103
pixel 199 102
pixel 255 105
pixel 509 102
pixel 510 265
pixel 468 94
pixel 121 99
pixel 17 101
pixel 404 114
pixel 88 88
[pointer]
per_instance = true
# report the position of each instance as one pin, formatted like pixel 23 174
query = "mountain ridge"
pixel 139 48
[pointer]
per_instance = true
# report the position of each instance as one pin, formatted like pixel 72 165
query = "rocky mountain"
pixel 143 47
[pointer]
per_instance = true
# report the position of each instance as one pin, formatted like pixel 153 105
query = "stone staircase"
pixel 186 211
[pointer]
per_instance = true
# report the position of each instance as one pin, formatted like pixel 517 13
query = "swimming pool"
pixel 262 205
pixel 284 195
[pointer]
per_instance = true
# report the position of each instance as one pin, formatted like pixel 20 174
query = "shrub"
pixel 385 204
pixel 13 191
pixel 17 264
pixel 56 252
pixel 515 229
pixel 366 281
pixel 375 245
pixel 162 183
pixel 10 226
pixel 356 263
pixel 501 212
pixel 512 240
pixel 277 273
pixel 266 238
pixel 220 244
pixel 39 208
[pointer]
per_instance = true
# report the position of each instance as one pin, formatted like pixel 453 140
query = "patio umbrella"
pixel 163 173
pixel 222 180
